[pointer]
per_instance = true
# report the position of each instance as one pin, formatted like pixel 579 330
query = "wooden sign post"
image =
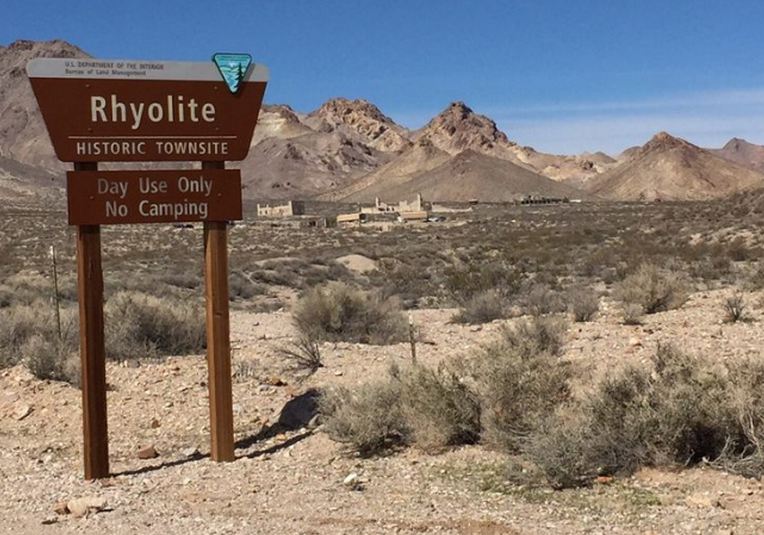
pixel 120 110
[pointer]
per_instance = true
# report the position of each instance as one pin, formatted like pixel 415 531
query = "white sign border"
pixel 125 69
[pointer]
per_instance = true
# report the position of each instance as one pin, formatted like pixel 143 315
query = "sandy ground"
pixel 291 480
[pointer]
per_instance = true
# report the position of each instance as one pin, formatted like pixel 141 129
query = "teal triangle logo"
pixel 233 68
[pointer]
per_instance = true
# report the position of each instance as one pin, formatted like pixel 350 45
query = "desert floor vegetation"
pixel 556 347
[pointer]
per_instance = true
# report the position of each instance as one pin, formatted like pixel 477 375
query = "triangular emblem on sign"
pixel 233 68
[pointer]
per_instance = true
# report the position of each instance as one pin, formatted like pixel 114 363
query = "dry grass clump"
pixel 735 308
pixel 304 354
pixel 439 408
pixel 29 335
pixel 521 379
pixel 683 411
pixel 539 299
pixel 368 419
pixel 52 359
pixel 483 307
pixel 465 281
pixel 140 325
pixel 511 387
pixel 583 303
pixel 431 408
pixel 338 312
pixel 653 289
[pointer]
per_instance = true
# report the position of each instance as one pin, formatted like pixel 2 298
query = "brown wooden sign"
pixel 108 110
pixel 153 196
pixel 121 110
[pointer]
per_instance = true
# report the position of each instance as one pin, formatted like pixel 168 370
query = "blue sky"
pixel 562 76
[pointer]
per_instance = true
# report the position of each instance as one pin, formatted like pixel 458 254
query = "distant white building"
pixel 380 207
pixel 290 208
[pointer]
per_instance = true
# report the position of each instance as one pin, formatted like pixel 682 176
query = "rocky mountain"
pixel 349 149
pixel 742 152
pixel 306 165
pixel 422 156
pixel 362 118
pixel 463 177
pixel 670 168
pixel 23 137
pixel 458 128
pixel 279 122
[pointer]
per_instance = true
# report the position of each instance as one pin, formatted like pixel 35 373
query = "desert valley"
pixel 437 330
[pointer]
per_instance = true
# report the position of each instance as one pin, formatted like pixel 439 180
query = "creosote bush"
pixel 684 411
pixel 511 386
pixel 431 408
pixel 439 408
pixel 52 359
pixel 464 282
pixel 29 335
pixel 483 307
pixel 338 312
pixel 368 419
pixel 539 299
pixel 653 289
pixel 140 325
pixel 583 303
pixel 632 313
pixel 521 380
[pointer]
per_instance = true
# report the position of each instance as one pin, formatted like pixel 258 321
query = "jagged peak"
pixel 736 143
pixel 663 140
pixel 343 106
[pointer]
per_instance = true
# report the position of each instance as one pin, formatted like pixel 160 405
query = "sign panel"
pixel 162 196
pixel 121 110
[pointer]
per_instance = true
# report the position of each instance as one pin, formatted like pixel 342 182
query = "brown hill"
pixel 421 156
pixel 22 132
pixel 742 152
pixel 306 165
pixel 278 121
pixel 469 175
pixel 669 168
pixel 363 118
pixel 458 128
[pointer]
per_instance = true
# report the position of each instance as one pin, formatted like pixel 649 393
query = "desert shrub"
pixel 6 297
pixel 52 359
pixel 338 312
pixel 482 307
pixel 738 251
pixel 463 282
pixel 183 279
pixel 242 287
pixel 521 380
pixel 745 456
pixel 539 299
pixel 29 335
pixel 583 303
pixel 529 337
pixel 653 289
pixel 304 354
pixel 368 419
pixel 632 313
pixel 735 308
pixel 756 280
pixel 139 325
pixel 439 408
pixel 19 323
pixel 678 413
